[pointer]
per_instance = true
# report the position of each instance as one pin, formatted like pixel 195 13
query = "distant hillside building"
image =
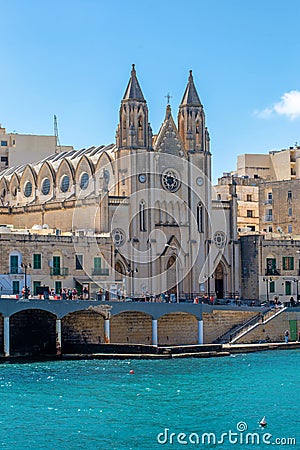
pixel 17 149
pixel 275 166
pixel 247 199
pixel 267 187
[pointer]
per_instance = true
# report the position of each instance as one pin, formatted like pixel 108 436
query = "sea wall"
pixel 273 330
pixel 54 327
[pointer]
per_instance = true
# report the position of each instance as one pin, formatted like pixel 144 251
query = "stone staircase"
pixel 263 319
pixel 227 336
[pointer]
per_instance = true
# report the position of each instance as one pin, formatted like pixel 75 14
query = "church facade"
pixel 149 197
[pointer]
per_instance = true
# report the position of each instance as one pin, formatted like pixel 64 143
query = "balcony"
pixel 15 270
pixel 269 201
pixel 268 218
pixel 99 271
pixel 272 271
pixel 59 271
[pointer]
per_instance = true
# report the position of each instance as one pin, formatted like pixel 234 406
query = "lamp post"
pixel 25 266
pixel 132 271
pixel 267 285
pixel 176 271
pixel 295 280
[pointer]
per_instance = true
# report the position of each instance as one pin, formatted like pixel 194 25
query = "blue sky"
pixel 73 59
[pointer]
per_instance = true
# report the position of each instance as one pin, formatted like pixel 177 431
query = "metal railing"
pixel 272 271
pixel 100 271
pixel 59 271
pixel 268 218
pixel 256 319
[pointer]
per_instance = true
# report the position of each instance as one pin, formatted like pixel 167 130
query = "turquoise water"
pixel 99 405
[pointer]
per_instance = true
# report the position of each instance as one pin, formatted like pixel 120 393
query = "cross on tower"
pixel 168 96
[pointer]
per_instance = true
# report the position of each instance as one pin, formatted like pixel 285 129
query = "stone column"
pixel 6 337
pixel 107 331
pixel 200 331
pixel 58 336
pixel 154 332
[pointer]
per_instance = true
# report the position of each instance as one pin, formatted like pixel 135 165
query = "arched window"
pixel 142 216
pixel 200 217
pixel 46 186
pixel 65 183
pixel 84 181
pixel 28 189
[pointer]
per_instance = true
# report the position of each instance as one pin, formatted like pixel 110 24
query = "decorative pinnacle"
pixel 191 76
pixel 133 72
pixel 168 112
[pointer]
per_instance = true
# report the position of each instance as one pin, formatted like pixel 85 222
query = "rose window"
pixel 170 180
pixel 118 237
pixel 219 239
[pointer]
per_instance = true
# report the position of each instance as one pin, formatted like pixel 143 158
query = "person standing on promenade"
pixel 286 336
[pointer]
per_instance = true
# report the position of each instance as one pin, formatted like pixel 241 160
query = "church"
pixel 144 206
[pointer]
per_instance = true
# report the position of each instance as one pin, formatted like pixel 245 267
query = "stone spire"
pixel 190 96
pixel 134 131
pixel 133 90
pixel 191 119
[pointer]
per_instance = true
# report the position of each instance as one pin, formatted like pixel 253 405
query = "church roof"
pixel 168 139
pixel 73 157
pixel 190 96
pixel 133 90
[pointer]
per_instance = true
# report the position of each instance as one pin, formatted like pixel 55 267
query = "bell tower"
pixel 134 130
pixel 191 120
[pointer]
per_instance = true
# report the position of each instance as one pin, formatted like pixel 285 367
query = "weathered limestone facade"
pixel 270 267
pixel 279 207
pixel 53 261
pixel 247 192
pixel 151 195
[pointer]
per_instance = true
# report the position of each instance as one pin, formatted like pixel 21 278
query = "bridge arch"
pixel 32 333
pixel 178 328
pixel 82 331
pixel 131 327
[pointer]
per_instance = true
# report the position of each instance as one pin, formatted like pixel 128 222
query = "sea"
pixel 214 403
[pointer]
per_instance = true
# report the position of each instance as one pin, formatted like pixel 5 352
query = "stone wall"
pixel 32 332
pixel 82 330
pixel 131 328
pixel 177 329
pixel 272 330
pixel 1 334
pixel 249 267
pixel 219 322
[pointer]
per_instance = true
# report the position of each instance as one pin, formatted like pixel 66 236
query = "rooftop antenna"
pixel 57 143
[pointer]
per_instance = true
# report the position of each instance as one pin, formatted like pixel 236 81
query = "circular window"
pixel 46 186
pixel 220 239
pixel 118 237
pixel 28 189
pixel 65 183
pixel 170 181
pixel 142 178
pixel 199 181
pixel 84 181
